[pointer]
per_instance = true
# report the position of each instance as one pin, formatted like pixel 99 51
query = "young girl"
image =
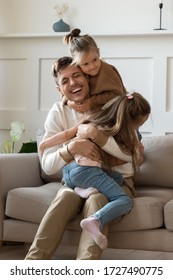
pixel 104 80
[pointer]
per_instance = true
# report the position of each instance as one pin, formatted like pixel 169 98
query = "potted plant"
pixel 16 132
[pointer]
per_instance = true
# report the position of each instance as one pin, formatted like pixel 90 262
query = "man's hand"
pixel 140 153
pixel 87 131
pixel 84 147
pixel 141 147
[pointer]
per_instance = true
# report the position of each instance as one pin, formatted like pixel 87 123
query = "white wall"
pixel 90 15
pixel 145 62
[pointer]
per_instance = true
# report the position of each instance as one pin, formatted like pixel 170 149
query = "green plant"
pixel 29 147
pixel 16 132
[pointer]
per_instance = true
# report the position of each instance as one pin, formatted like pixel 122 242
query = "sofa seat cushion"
pixel 30 203
pixel 146 213
pixel 168 215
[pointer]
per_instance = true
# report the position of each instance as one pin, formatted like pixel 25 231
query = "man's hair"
pixel 60 64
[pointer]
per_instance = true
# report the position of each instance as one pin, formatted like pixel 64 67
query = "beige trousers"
pixel 62 210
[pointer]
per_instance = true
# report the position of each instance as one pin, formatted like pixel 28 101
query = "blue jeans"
pixel 119 204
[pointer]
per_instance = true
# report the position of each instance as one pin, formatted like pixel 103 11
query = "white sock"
pixel 85 193
pixel 91 225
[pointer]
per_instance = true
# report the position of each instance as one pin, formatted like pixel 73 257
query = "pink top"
pixel 81 160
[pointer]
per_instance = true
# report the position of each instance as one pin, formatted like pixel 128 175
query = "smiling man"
pixel 72 83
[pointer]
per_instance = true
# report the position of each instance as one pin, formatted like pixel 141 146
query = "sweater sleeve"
pixel 112 148
pixel 109 145
pixel 54 158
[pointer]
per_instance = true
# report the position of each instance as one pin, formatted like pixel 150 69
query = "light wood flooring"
pixel 18 252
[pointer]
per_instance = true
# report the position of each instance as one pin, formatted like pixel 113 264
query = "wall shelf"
pixel 153 33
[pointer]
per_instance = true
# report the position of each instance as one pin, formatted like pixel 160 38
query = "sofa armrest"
pixel 17 170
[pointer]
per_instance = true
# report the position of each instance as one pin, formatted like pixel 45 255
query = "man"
pixel 73 84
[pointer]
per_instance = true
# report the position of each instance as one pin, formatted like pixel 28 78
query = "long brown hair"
pixel 118 118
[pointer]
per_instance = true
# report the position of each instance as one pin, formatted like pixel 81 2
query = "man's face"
pixel 73 84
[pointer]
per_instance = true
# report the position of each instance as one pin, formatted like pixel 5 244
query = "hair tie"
pixel 130 94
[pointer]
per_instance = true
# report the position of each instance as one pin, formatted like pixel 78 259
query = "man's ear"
pixel 58 88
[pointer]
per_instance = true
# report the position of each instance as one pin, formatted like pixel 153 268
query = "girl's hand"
pixel 85 106
pixel 72 105
pixel 80 108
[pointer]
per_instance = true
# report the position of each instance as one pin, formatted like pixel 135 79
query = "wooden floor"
pixel 18 252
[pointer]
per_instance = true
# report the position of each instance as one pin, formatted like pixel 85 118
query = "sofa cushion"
pixel 146 213
pixel 159 157
pixel 168 215
pixel 30 203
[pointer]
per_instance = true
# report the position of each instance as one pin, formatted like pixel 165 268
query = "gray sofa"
pixel 26 192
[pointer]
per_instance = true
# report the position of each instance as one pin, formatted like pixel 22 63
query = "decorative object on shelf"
pixel 61 26
pixel 160 7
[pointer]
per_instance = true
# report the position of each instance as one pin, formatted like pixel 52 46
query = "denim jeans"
pixel 119 203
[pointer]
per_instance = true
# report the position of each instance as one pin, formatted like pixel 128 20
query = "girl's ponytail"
pixel 70 36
